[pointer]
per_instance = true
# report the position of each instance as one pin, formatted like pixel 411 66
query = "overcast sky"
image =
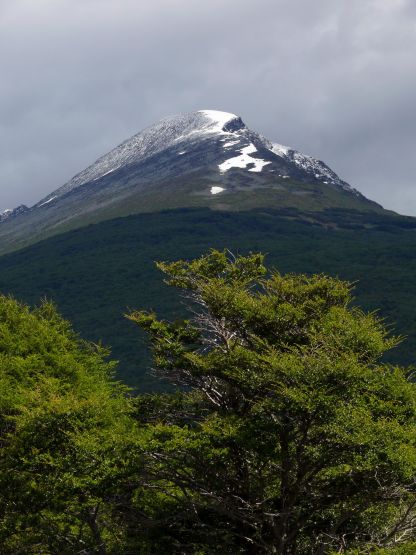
pixel 333 78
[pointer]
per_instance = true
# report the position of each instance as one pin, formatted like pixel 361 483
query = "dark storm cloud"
pixel 333 79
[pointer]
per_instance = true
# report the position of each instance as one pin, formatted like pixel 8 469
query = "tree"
pixel 291 436
pixel 64 431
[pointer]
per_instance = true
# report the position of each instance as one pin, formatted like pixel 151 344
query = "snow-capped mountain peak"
pixel 205 158
pixel 183 135
pixel 168 132
pixel 219 120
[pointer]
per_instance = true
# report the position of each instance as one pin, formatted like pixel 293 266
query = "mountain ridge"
pixel 205 158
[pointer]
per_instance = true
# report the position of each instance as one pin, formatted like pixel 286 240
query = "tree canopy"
pixel 300 440
pixel 62 419
pixel 286 434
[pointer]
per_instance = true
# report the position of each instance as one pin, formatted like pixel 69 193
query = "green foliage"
pixel 289 434
pixel 408 549
pixel 295 438
pixel 96 273
pixel 64 425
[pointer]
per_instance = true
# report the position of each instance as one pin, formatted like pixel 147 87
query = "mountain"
pixel 201 159
pixel 12 213
pixel 178 188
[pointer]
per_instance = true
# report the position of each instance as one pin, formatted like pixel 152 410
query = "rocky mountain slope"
pixel 201 159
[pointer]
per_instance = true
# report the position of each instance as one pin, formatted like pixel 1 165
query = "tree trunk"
pixel 95 529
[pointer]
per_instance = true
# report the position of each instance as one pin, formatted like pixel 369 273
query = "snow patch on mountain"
pixel 280 150
pixel 47 201
pixel 4 214
pixel 9 213
pixel 167 133
pixel 313 167
pixel 218 119
pixel 244 160
pixel 231 143
pixel 216 190
pixel 204 129
pixel 110 171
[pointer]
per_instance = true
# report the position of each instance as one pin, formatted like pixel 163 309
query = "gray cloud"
pixel 333 79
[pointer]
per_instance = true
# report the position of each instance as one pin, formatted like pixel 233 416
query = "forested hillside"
pixel 290 435
pixel 96 274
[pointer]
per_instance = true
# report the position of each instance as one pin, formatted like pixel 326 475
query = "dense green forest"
pixel 97 273
pixel 288 435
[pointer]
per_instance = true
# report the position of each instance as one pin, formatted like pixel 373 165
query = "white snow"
pixel 4 214
pixel 157 138
pixel 183 152
pixel 106 173
pixel 280 150
pixel 189 129
pixel 318 169
pixel 47 201
pixel 216 190
pixel 110 171
pixel 310 165
pixel 219 119
pixel 230 143
pixel 244 160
